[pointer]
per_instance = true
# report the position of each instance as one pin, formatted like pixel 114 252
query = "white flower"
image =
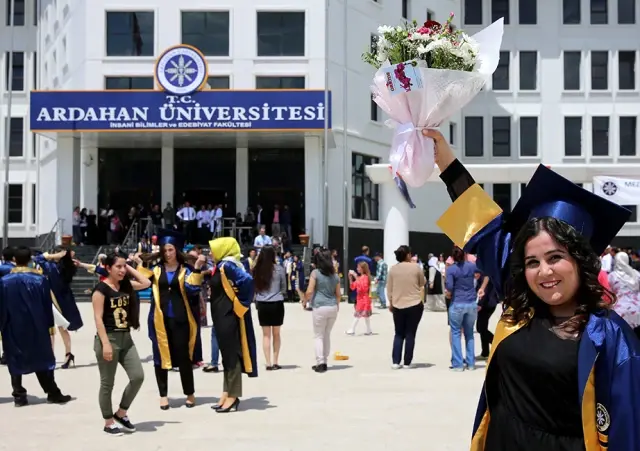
pixel 441 43
pixel 399 29
pixel 422 49
pixel 385 29
pixel 419 37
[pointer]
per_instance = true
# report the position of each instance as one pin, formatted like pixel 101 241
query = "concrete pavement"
pixel 360 403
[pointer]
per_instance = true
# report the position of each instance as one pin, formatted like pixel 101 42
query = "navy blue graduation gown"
pixel 26 321
pixel 64 296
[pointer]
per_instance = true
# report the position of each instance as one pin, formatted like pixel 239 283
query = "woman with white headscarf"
pixel 435 291
pixel 625 283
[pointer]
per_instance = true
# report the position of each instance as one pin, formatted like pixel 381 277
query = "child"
pixel 361 284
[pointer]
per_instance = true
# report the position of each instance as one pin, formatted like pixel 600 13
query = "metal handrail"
pixel 132 234
pixel 94 261
pixel 53 238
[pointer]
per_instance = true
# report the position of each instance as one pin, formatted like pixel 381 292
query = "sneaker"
pixel 350 332
pixel 396 366
pixel 411 366
pixel 322 368
pixel 113 430
pixel 458 369
pixel 124 423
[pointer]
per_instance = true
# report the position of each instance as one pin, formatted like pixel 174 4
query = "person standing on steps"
pixel 26 325
pixel 116 310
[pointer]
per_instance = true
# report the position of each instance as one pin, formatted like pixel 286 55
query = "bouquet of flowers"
pixel 425 74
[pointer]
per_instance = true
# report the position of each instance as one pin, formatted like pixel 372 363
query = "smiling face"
pixel 169 253
pixel 118 270
pixel 551 273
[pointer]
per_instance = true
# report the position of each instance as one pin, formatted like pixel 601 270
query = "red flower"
pixel 432 25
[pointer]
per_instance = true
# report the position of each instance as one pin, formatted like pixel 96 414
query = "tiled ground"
pixel 359 404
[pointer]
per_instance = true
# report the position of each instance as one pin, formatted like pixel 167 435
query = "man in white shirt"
pixel 606 261
pixel 217 217
pixel 262 240
pixel 259 219
pixel 187 216
pixel 204 218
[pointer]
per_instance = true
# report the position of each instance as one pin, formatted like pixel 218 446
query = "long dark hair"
pixel 133 316
pixel 324 262
pixel 66 267
pixel 263 270
pixel 590 293
pixel 457 254
pixel 159 256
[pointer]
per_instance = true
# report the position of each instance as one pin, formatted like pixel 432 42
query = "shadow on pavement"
pixel 339 367
pixel 152 426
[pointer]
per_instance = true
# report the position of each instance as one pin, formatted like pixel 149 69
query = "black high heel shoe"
pixel 71 360
pixel 232 408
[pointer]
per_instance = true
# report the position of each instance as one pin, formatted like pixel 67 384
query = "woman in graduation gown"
pixel 231 296
pixel 564 369
pixel 173 328
pixel 60 269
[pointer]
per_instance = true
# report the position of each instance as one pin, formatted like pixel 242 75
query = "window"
pixel 128 83
pixel 501 75
pixel 16 137
pixel 626 11
pixel 572 136
pixel 634 213
pixel 364 195
pixel 207 31
pixel 34 145
pixel 34 200
pixel 528 12
pixel 502 196
pixel 501 129
pixel 17 74
pixel 18 13
pixel 431 15
pixel 219 82
pixel 628 136
pixel 405 9
pixel 599 70
pixel 528 136
pixel 571 12
pixel 626 70
pixel 35 71
pixel 523 186
pixel 375 112
pixel 130 33
pixel 600 136
pixel 280 82
pixel 36 11
pixel 599 13
pixel 281 34
pixel 15 204
pixel 500 8
pixel 572 66
pixel 452 133
pixel 473 12
pixel 373 42
pixel 528 71
pixel 473 136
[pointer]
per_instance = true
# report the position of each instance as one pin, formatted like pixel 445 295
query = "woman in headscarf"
pixel 435 292
pixel 231 296
pixel 625 283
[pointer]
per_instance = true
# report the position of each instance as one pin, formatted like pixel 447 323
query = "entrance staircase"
pixel 84 281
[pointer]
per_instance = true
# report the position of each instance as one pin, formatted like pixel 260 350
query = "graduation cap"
pixel 167 236
pixel 188 248
pixel 548 194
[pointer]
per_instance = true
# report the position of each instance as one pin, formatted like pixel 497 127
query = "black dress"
pixel 225 322
pixel 531 392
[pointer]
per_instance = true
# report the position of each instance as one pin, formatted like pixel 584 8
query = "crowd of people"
pixel 562 367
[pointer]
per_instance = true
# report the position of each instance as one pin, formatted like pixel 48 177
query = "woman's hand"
pixel 200 262
pixel 444 155
pixel 107 352
pixel 391 308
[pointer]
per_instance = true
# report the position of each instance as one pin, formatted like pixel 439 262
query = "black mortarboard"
pixel 168 236
pixel 548 194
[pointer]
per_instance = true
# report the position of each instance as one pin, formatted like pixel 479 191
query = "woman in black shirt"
pixel 116 310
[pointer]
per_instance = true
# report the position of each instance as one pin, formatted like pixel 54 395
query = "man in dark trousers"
pixel 26 324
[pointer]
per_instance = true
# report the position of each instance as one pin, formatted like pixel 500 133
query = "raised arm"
pixel 140 282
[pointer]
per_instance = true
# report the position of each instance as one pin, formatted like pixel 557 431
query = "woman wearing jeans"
pixel 404 293
pixel 463 310
pixel 324 294
pixel 116 310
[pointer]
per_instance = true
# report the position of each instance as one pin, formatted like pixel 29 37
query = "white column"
pixel 166 171
pixel 395 210
pixel 64 185
pixel 89 177
pixel 242 179
pixel 314 189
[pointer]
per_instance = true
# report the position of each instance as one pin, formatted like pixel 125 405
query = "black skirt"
pixel 270 314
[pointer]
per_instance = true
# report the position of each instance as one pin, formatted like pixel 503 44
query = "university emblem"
pixel 609 188
pixel 603 420
pixel 181 70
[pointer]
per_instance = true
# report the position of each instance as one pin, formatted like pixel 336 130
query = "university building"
pixel 156 101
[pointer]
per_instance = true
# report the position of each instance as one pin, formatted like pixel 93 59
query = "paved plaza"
pixel 359 404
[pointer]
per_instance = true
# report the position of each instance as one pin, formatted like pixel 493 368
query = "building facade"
pixel 530 113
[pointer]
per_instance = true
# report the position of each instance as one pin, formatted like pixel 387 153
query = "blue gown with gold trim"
pixel 607 369
pixel 188 283
pixel 26 321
